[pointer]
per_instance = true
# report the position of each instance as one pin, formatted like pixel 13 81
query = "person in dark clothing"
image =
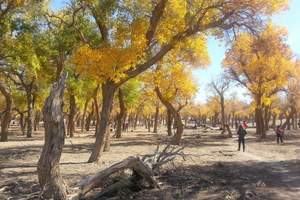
pixel 279 133
pixel 241 134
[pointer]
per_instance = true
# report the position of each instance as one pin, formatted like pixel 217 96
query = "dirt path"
pixel 213 169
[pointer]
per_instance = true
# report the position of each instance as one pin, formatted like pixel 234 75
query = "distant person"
pixel 241 134
pixel 245 125
pixel 126 126
pixel 279 134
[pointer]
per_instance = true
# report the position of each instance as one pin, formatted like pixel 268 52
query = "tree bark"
pixel 107 140
pixel 7 113
pixel 121 114
pixel 72 113
pixel 48 169
pixel 108 90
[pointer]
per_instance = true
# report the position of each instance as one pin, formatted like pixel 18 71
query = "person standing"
pixel 241 137
pixel 245 125
pixel 279 133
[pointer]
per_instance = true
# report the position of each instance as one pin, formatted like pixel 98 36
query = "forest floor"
pixel 212 169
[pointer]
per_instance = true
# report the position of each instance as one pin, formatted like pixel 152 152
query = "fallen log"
pixel 140 171
pixel 114 180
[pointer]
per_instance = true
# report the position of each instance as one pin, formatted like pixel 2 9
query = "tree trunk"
pixel 89 119
pixel 288 118
pixel 259 122
pixel 175 114
pixel 136 118
pixel 30 109
pixel 108 90
pixel 267 117
pixel 83 119
pixel 222 113
pixel 149 123
pixel 72 113
pixel 121 114
pixel 232 120
pixel 156 118
pixel 97 111
pixel 107 140
pixel 22 122
pixel 296 120
pixel 37 119
pixel 274 116
pixel 48 169
pixel 169 122
pixel 7 113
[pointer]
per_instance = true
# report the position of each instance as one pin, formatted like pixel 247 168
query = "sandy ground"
pixel 213 168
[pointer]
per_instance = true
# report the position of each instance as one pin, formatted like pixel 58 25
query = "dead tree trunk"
pixel 7 113
pixel 133 163
pixel 49 176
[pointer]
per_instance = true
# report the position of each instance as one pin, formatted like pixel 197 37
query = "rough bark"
pixel 133 163
pixel 48 169
pixel 7 113
pixel 108 90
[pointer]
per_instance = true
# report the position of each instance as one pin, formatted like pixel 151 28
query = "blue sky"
pixel 289 19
